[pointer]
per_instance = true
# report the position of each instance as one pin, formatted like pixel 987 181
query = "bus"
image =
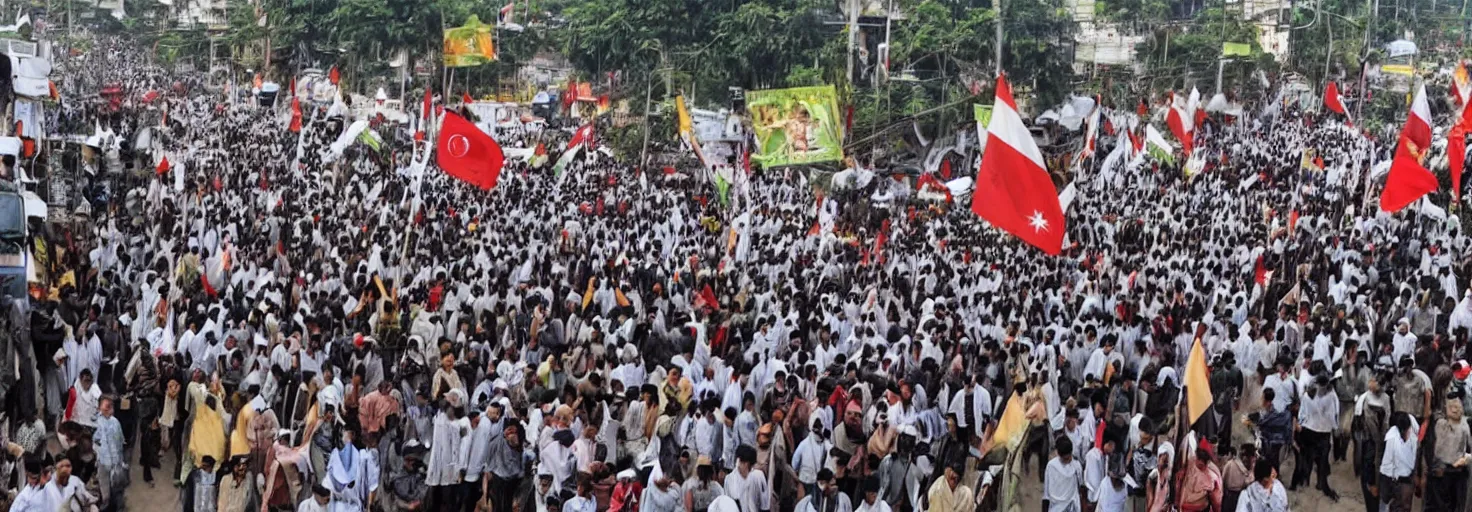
pixel 14 255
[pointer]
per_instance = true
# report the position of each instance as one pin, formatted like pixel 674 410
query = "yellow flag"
pixel 1012 424
pixel 686 125
pixel 1198 386
pixel 588 295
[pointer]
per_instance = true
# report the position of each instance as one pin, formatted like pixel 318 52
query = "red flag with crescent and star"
pixel 467 153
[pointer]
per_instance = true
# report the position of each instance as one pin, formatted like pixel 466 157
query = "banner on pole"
pixel 983 114
pixel 796 126
pixel 470 44
pixel 1236 49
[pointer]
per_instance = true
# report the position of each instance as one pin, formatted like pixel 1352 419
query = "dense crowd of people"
pixel 275 321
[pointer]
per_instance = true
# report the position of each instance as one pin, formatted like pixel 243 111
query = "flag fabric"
pixel 584 136
pixel 1012 424
pixel 1193 107
pixel 1092 133
pixel 1182 125
pixel 707 299
pixel 687 125
pixel 1456 154
pixel 588 294
pixel 539 156
pixel 687 133
pixel 467 153
pixel 1198 385
pixel 1013 189
pixel 426 115
pixel 723 190
pixel 1156 145
pixel 334 76
pixel 1260 272
pixel 1462 87
pixel 508 14
pixel 1418 123
pixel 296 116
pixel 163 166
pixel 1333 100
pixel 1408 179
pixel 371 139
pixel 466 99
pixel 564 160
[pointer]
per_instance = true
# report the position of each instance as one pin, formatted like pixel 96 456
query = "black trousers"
pixel 1273 453
pixel 469 495
pixel 444 497
pixel 503 493
pixel 1313 450
pixel 1446 492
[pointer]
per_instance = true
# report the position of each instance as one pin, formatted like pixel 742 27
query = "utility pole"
pixel 644 153
pixel 853 35
pixel 998 26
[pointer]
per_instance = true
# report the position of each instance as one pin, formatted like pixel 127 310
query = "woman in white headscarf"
pixel 350 477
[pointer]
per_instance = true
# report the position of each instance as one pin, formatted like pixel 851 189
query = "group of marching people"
pixel 269 319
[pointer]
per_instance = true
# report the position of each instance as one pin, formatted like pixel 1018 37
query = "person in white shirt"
pixel 811 455
pixel 70 493
pixel 1114 491
pixel 1396 488
pixel 475 448
pixel 33 496
pixel 748 486
pixel 1318 417
pixel 1283 384
pixel 1096 466
pixel 1062 479
pixel 320 497
pixel 1403 342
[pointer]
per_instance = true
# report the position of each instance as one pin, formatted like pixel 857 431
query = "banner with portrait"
pixel 796 126
pixel 471 44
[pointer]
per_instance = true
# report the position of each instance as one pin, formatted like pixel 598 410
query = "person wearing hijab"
pixel 352 477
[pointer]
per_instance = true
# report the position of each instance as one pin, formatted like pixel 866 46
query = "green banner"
pixel 796 126
pixel 469 45
pixel 983 114
pixel 1235 49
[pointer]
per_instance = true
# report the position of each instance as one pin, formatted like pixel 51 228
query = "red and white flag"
pixel 584 135
pixel 1408 179
pixel 1182 124
pixel 1193 107
pixel 508 13
pixel 1013 189
pixel 1092 134
pixel 1333 99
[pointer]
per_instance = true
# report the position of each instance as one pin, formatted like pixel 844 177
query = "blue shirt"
pixel 109 441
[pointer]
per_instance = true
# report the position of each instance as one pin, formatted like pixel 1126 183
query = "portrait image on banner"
pixel 796 126
pixel 471 44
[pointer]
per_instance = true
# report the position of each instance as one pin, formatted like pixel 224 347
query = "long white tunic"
pixel 444 450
